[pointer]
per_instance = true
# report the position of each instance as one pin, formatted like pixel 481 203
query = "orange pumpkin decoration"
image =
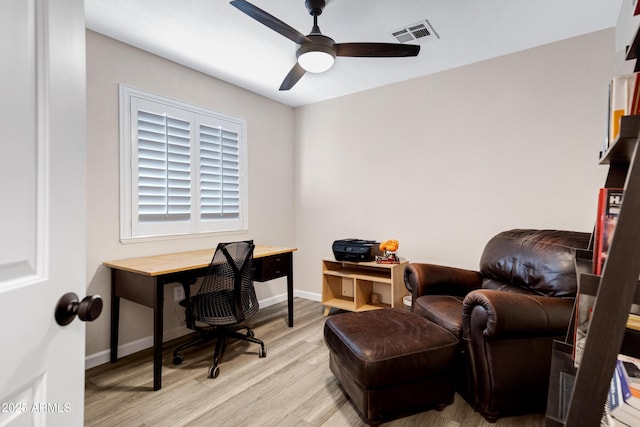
pixel 389 245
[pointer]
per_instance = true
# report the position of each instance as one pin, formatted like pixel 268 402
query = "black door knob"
pixel 69 306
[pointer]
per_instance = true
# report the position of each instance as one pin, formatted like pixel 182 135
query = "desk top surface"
pixel 157 265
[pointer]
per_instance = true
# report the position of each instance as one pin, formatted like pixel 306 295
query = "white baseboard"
pixel 126 349
pixel 308 295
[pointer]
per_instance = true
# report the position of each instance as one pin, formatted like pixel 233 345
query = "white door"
pixel 42 210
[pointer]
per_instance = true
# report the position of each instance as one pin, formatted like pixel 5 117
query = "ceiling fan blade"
pixel 270 21
pixel 376 50
pixel 292 78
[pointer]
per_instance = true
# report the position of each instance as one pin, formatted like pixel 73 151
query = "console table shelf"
pixel 348 285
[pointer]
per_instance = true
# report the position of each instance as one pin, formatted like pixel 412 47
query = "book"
pixel 629 398
pixel 619 104
pixel 631 371
pixel 634 93
pixel 387 261
pixel 607 137
pixel 619 410
pixel 624 100
pixel 584 308
pixel 597 228
pixel 607 420
pixel 585 300
pixel 633 322
pixel 609 204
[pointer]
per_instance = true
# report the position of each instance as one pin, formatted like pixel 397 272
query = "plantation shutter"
pixel 164 171
pixel 219 172
pixel 183 168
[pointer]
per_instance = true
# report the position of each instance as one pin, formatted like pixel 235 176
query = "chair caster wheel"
pixel 250 334
pixel 262 353
pixel 177 359
pixel 214 371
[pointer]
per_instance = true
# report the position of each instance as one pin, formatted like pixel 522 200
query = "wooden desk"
pixel 142 280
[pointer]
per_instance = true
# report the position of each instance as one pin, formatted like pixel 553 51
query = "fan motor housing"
pixel 315 7
pixel 319 40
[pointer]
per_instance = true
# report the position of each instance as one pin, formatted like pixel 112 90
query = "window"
pixel 183 168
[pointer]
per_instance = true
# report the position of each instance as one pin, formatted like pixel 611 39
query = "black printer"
pixel 355 250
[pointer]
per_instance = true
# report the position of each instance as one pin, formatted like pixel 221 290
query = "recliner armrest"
pixel 506 314
pixel 430 279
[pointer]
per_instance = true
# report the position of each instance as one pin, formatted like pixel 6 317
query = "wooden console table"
pixel 360 280
pixel 142 280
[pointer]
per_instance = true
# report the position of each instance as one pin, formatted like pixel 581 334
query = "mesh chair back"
pixel 226 295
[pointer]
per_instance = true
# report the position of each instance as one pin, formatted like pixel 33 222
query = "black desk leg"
pixel 290 289
pixel 157 335
pixel 115 318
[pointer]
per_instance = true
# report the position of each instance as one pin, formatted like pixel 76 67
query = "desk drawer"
pixel 271 267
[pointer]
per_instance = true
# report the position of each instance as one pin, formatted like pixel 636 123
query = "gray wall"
pixel 270 148
pixel 443 162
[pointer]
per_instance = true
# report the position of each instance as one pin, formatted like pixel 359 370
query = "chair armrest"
pixel 500 314
pixel 430 279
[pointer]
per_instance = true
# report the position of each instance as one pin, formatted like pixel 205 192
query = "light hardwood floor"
pixel 292 386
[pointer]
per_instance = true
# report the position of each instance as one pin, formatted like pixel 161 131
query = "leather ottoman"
pixel 391 362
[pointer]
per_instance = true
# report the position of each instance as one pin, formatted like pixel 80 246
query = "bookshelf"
pixel 577 395
pixel 615 290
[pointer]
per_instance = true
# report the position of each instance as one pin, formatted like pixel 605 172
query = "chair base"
pixel 220 334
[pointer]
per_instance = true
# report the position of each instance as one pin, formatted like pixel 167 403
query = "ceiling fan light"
pixel 317 59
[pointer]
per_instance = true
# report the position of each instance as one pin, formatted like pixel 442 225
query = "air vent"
pixel 421 31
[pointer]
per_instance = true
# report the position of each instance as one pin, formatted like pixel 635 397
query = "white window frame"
pixel 132 227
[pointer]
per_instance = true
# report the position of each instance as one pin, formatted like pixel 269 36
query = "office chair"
pixel 225 299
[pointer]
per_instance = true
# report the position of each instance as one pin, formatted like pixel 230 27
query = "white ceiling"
pixel 215 38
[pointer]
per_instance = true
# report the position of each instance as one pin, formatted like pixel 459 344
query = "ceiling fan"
pixel 316 52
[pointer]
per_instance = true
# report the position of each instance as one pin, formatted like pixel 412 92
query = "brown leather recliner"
pixel 506 315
